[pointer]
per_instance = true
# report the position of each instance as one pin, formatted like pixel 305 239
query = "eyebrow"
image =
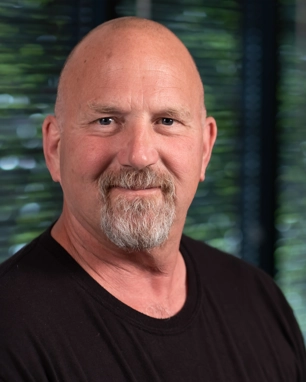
pixel 179 113
pixel 104 109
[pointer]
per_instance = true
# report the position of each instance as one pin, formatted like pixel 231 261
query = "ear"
pixel 209 137
pixel 51 143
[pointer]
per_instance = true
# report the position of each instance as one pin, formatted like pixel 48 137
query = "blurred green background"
pixel 251 55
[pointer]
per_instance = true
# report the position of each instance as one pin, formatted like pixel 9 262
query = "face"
pixel 133 123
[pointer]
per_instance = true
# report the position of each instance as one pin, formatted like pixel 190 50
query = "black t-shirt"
pixel 58 324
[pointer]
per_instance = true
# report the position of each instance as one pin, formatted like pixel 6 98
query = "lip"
pixel 135 192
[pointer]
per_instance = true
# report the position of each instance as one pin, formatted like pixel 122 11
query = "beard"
pixel 141 223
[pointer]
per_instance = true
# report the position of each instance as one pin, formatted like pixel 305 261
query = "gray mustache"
pixel 136 180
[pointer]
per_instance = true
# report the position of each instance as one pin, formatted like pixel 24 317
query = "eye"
pixel 105 121
pixel 167 121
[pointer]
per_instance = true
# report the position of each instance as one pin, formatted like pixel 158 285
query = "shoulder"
pixel 16 272
pixel 31 276
pixel 231 278
pixel 239 286
pixel 32 286
pixel 219 263
pixel 254 308
pixel 28 264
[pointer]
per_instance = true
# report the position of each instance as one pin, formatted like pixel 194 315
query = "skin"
pixel 130 73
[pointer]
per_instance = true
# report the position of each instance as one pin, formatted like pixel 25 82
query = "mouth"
pixel 137 188
pixel 134 191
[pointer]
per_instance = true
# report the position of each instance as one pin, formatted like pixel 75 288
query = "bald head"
pixel 122 40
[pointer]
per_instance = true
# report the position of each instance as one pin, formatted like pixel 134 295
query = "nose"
pixel 138 149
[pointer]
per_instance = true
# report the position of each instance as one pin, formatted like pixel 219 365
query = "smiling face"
pixel 131 103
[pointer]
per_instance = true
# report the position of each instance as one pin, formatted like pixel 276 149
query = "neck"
pixel 151 282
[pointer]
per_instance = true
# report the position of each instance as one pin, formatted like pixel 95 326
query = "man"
pixel 112 292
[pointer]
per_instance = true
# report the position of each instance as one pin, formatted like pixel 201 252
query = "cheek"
pixel 185 163
pixel 85 159
pixel 186 159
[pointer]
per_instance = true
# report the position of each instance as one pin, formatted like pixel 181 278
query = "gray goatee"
pixel 141 223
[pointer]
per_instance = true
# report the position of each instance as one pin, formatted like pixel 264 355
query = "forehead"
pixel 148 90
pixel 132 68
pixel 144 75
